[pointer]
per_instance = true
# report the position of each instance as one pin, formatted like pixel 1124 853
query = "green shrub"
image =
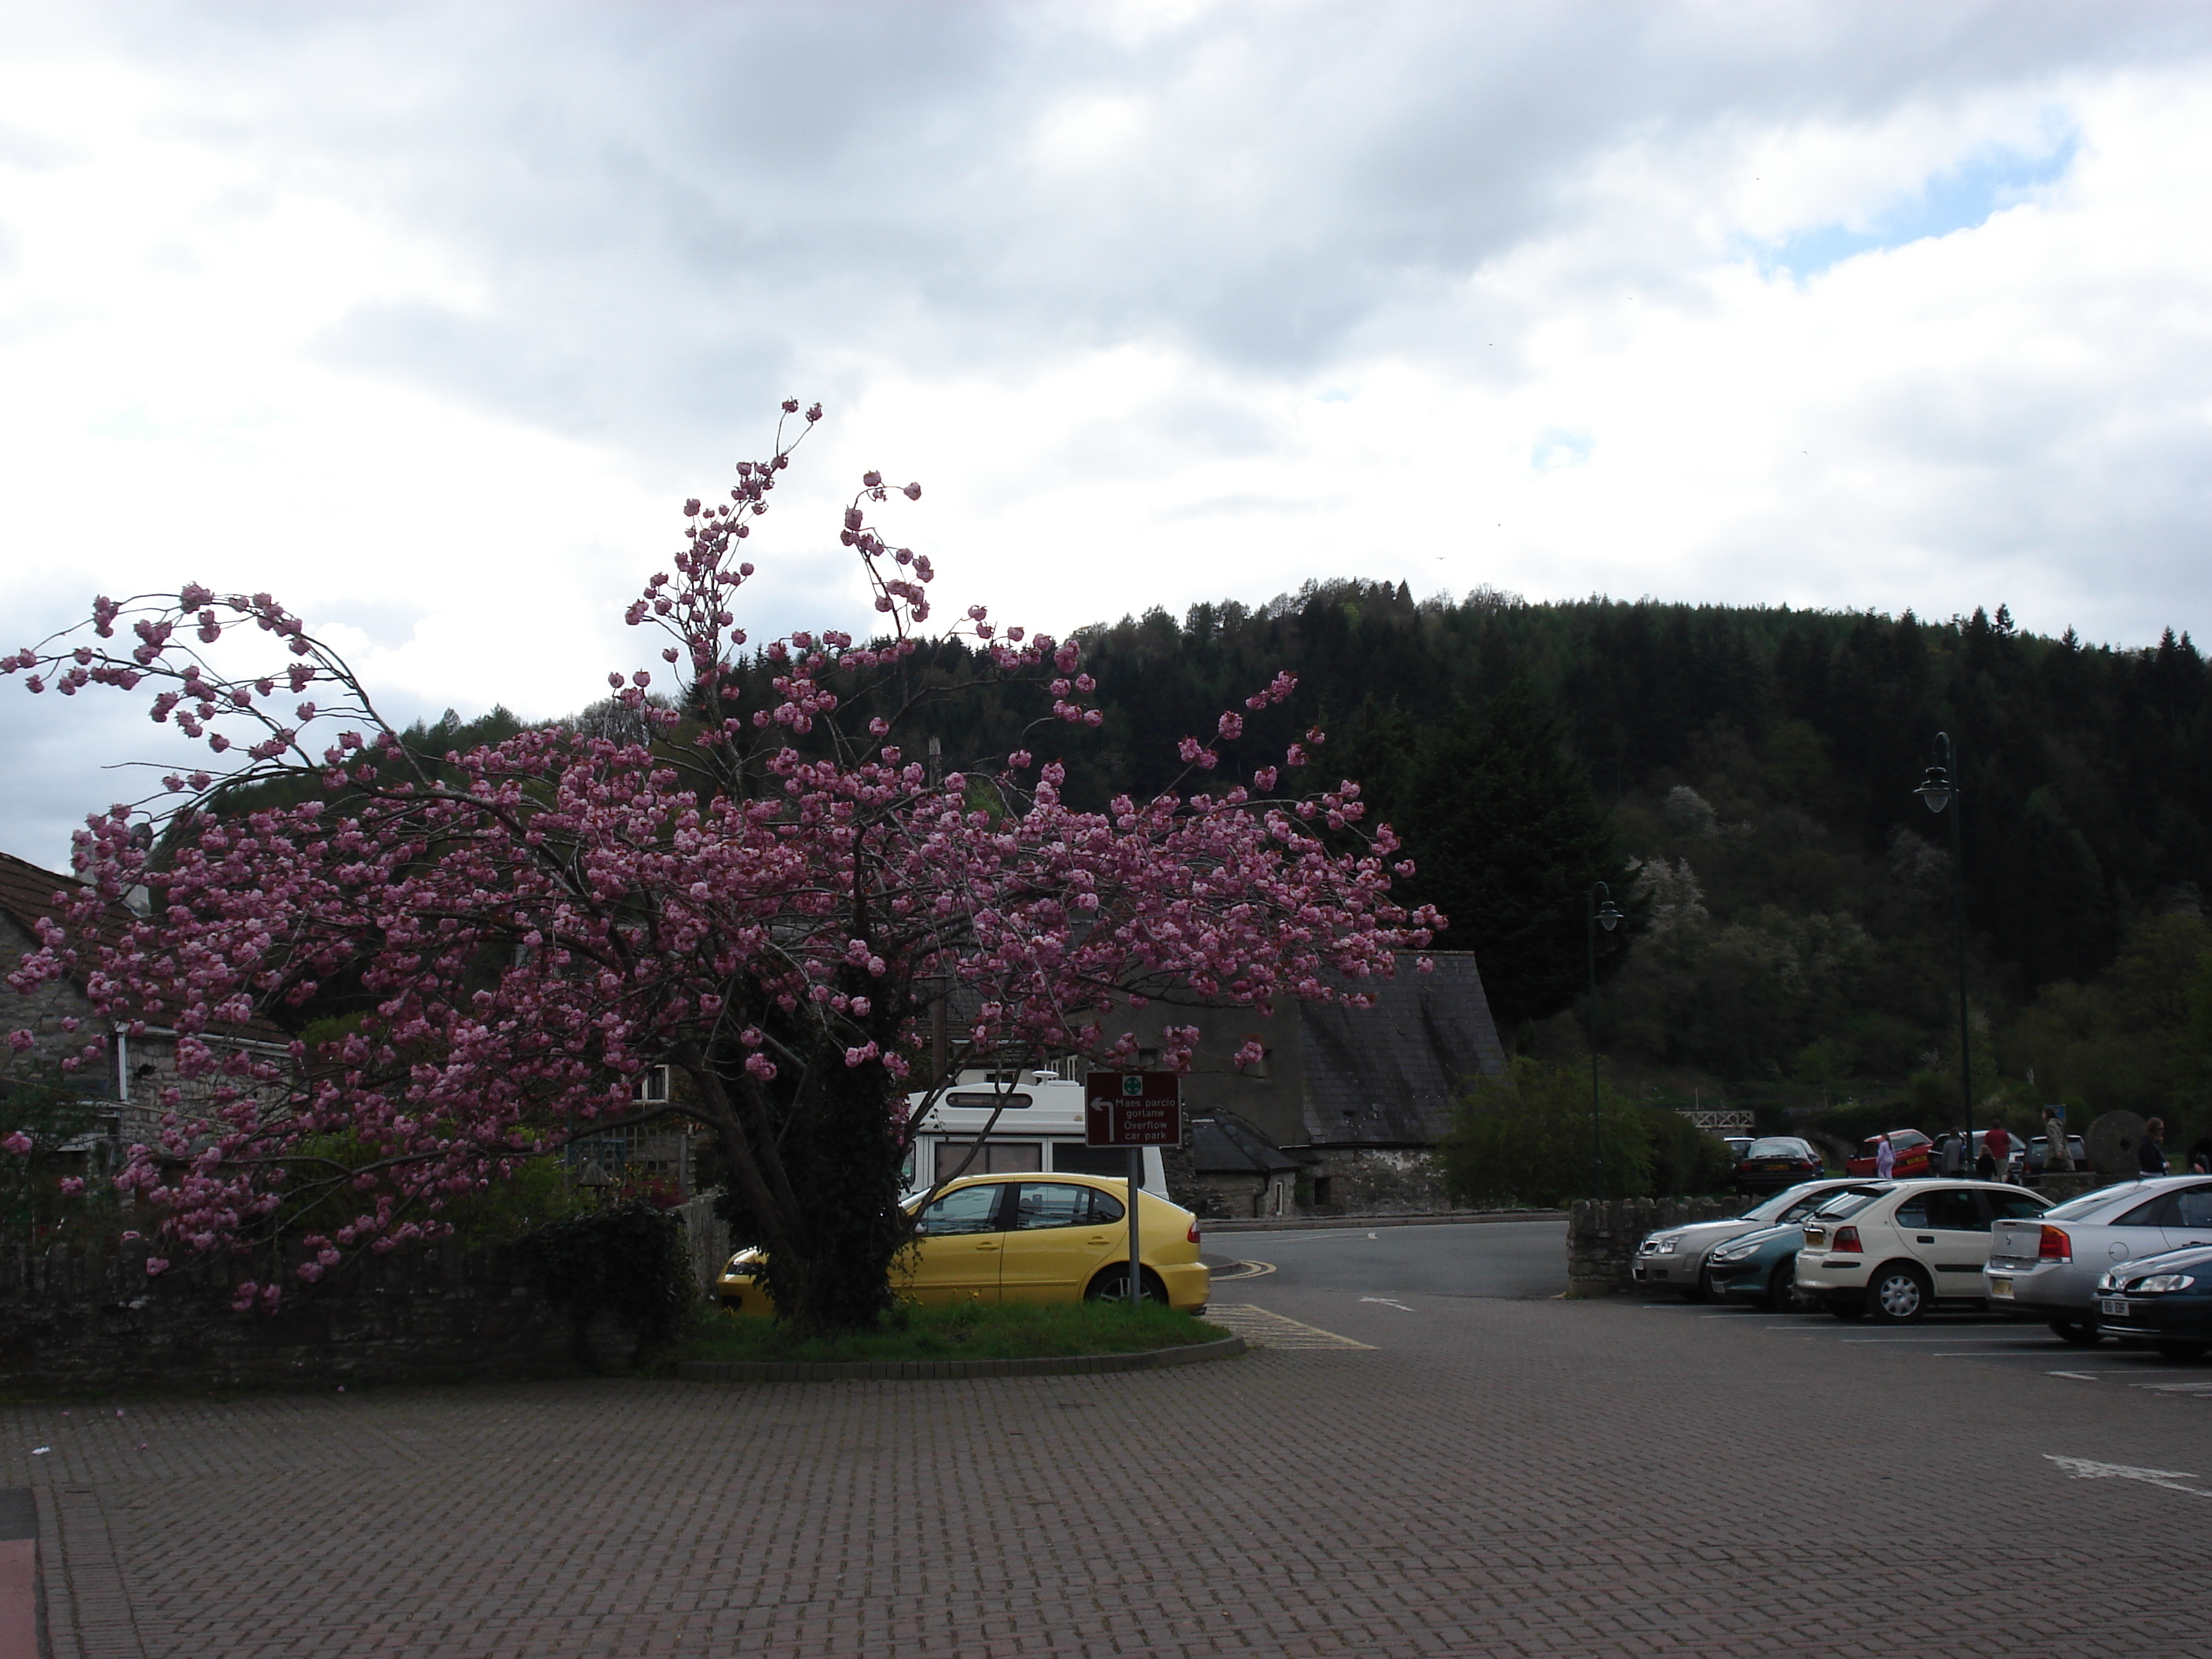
pixel 629 1262
pixel 1686 1160
pixel 1527 1138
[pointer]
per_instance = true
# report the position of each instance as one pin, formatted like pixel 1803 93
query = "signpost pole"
pixel 1136 1186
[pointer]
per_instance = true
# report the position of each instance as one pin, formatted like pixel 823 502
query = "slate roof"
pixel 1224 1143
pixel 26 893
pixel 1390 1075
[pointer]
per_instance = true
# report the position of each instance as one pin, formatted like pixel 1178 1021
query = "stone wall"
pixel 1375 1181
pixel 1242 1197
pixel 74 1320
pixel 1602 1237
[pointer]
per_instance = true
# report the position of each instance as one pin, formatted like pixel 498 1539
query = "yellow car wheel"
pixel 1112 1285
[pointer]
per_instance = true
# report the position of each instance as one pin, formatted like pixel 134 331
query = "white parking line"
pixel 1931 1341
pixel 2084 1469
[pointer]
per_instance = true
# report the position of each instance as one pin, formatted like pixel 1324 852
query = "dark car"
pixel 1770 1164
pixel 2165 1300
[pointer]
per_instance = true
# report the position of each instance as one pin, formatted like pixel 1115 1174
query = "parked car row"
pixel 2132 1260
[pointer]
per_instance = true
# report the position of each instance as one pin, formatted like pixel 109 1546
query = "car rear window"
pixel 1776 1149
pixel 2083 1208
pixel 1848 1202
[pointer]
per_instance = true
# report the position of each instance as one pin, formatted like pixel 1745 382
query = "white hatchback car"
pixel 1921 1243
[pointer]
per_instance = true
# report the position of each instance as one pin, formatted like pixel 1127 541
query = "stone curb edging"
pixel 907 1370
pixel 1316 1223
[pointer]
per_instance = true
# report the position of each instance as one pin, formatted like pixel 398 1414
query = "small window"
pixel 651 1086
pixel 1913 1212
pixel 1076 1158
pixel 1041 1204
pixel 970 1210
pixel 969 1100
pixel 992 1157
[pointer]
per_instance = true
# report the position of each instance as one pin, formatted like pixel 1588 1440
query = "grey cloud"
pixel 680 210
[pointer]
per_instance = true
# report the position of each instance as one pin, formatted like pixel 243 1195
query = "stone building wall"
pixel 1602 1237
pixel 1375 1180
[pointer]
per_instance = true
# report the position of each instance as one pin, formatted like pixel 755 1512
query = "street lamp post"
pixel 1936 791
pixel 1601 914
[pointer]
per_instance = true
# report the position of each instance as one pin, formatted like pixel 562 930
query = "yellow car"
pixel 1024 1238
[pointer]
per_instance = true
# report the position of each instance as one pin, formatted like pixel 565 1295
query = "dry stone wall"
pixel 75 1320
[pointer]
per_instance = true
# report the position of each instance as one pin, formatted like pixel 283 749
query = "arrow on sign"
pixel 2083 1468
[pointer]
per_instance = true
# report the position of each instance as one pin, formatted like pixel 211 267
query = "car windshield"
pixel 1776 1149
pixel 1849 1202
pixel 1776 1206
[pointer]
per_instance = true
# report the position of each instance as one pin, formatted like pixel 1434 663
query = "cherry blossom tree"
pixel 765 893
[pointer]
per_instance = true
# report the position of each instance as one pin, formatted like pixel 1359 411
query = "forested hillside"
pixel 1791 900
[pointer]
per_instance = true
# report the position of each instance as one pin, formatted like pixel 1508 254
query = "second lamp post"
pixel 1601 914
pixel 1937 790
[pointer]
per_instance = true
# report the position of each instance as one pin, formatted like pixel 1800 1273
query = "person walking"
pixel 2200 1156
pixel 1885 1157
pixel 1998 1145
pixel 2151 1152
pixel 2057 1155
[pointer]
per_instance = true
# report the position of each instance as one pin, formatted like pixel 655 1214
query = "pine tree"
pixel 1508 840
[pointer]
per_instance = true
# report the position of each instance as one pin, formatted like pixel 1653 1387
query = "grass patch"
pixel 970 1330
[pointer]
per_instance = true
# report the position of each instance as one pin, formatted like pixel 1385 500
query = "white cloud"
pixel 426 318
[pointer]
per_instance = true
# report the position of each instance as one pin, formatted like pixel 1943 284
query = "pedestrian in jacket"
pixel 1885 1157
pixel 2151 1152
pixel 2058 1155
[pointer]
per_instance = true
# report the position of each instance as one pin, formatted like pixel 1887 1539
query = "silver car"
pixel 1675 1256
pixel 2046 1267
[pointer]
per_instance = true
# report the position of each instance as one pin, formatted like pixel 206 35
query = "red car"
pixel 1915 1153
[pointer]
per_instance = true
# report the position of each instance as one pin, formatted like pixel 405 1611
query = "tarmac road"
pixel 1484 1259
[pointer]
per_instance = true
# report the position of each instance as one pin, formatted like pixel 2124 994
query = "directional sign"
pixel 1131 1109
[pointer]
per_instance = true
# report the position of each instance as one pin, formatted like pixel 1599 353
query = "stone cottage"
pixel 1356 1098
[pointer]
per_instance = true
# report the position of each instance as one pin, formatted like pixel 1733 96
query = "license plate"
pixel 2113 1306
pixel 2001 1287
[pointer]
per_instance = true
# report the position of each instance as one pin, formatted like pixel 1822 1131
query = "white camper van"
pixel 1040 1127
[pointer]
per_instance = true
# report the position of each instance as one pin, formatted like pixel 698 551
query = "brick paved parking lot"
pixel 1486 1475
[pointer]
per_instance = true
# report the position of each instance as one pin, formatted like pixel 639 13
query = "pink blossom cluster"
pixel 767 894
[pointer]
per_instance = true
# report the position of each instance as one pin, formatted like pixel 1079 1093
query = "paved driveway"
pixel 1484 1475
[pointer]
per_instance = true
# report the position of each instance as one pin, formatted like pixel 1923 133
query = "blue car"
pixel 2165 1300
pixel 1761 1268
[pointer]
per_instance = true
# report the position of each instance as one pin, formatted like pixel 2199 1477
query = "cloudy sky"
pixel 428 318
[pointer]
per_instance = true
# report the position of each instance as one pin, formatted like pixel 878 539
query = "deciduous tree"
pixel 758 888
